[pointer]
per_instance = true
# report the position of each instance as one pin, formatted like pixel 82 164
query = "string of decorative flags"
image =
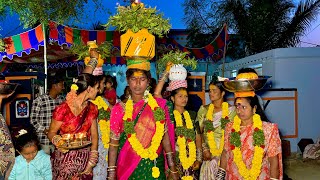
pixel 64 35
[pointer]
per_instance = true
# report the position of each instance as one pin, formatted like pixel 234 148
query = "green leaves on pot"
pixel 138 17
pixel 176 57
pixel 82 50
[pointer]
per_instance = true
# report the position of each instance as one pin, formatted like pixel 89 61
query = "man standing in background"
pixel 42 108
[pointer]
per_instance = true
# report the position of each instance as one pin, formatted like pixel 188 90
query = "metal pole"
pixel 45 57
pixel 225 49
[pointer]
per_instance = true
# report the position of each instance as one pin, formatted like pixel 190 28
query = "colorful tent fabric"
pixel 211 52
pixel 23 43
pixel 65 35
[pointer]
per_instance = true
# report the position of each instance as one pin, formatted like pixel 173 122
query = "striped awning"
pixel 65 35
pixel 23 43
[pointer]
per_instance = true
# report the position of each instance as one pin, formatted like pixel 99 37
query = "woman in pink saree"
pixel 76 115
pixel 252 147
pixel 124 161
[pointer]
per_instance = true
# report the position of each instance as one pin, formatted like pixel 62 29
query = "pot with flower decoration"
pixel 140 25
pixel 177 73
pixel 83 52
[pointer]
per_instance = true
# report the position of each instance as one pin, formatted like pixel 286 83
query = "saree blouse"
pixel 75 124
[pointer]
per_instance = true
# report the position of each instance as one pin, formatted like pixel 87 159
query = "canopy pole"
pixel 45 57
pixel 225 49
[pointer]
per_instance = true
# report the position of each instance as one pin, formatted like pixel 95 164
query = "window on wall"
pixel 258 68
pixel 234 73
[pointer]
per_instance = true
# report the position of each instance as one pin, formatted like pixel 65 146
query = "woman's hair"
pixel 112 80
pixel 25 137
pixel 130 72
pixel 219 85
pixel 100 77
pixel 254 101
pixel 84 81
pixel 125 95
pixel 247 70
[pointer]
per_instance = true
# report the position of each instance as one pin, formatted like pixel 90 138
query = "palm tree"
pixel 265 24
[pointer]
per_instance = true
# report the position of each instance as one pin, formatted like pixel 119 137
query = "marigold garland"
pixel 209 131
pixel 187 178
pixel 151 151
pixel 104 123
pixel 186 161
pixel 258 141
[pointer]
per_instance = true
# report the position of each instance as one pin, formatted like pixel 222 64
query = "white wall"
pixel 291 68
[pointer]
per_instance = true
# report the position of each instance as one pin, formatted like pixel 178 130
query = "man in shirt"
pixel 42 108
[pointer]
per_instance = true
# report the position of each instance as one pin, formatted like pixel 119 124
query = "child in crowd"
pixel 110 92
pixel 32 163
pixel 124 97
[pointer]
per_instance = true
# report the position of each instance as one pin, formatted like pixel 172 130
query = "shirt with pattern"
pixel 41 115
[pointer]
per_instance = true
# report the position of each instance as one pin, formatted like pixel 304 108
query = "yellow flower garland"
pixel 186 161
pixel 104 124
pixel 210 135
pixel 105 132
pixel 254 172
pixel 100 103
pixel 151 151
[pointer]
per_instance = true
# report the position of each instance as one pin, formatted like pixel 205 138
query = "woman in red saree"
pixel 76 115
pixel 144 130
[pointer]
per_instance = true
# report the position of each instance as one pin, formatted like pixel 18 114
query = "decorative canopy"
pixel 23 43
pixel 27 47
pixel 211 52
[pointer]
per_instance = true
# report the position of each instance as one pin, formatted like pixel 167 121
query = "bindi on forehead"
pixel 213 87
pixel 183 92
pixel 138 74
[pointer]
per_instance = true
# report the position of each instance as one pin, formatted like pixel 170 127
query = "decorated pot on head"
pixel 177 77
pixel 245 76
pixel 245 84
pixel 138 48
pixel 97 64
pixel 138 42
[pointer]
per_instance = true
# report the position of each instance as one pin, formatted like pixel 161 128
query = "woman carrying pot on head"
pixel 188 139
pixel 252 148
pixel 141 131
pixel 212 119
pixel 74 118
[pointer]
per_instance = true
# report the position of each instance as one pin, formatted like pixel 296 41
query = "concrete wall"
pixel 290 68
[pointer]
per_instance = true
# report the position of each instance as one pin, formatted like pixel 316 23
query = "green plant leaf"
pixel 176 57
pixel 139 17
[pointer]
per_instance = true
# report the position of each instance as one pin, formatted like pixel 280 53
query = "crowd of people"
pixel 148 134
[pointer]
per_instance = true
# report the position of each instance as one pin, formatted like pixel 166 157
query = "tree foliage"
pixel 32 12
pixel 260 24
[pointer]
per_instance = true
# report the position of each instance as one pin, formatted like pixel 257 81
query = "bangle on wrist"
pixel 173 172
